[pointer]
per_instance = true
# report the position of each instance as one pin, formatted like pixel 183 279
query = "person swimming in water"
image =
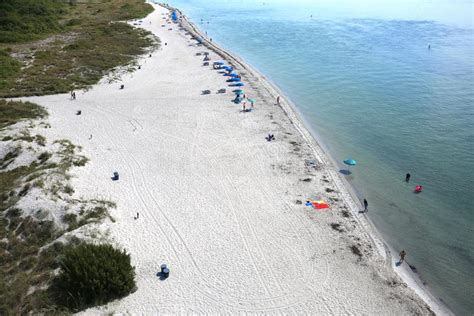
pixel 407 177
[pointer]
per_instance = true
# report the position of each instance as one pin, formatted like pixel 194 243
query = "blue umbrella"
pixel 350 162
pixel 234 79
pixel 237 90
pixel 239 84
pixel 220 63
pixel 234 75
pixel 226 67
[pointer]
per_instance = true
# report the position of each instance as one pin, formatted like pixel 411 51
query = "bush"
pixel 93 275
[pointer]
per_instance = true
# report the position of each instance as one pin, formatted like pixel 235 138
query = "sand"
pixel 219 204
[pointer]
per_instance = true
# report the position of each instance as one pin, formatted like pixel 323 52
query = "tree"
pixel 93 275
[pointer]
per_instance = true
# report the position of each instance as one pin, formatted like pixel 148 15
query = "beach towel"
pixel 319 205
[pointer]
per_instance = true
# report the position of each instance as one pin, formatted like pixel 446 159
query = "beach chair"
pixel 205 63
pixel 221 91
pixel 206 92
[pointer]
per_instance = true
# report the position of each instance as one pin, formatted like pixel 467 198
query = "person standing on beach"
pixel 402 256
pixel 243 107
pixel 366 205
pixel 407 177
pixel 278 100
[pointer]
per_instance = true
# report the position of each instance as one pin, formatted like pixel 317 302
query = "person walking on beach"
pixel 402 256
pixel 278 100
pixel 243 107
pixel 407 177
pixel 366 206
pixel 138 215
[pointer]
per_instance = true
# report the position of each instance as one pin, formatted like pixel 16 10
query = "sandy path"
pixel 217 202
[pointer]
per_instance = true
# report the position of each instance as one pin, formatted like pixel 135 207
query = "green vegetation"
pixel 13 111
pixel 93 275
pixel 9 68
pixel 28 242
pixel 24 20
pixel 23 265
pixel 47 47
pixel 86 41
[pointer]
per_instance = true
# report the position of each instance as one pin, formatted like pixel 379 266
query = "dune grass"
pixel 88 42
pixel 13 111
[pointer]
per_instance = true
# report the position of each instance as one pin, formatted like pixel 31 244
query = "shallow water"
pixel 364 79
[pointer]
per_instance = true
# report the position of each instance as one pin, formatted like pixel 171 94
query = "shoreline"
pixel 412 279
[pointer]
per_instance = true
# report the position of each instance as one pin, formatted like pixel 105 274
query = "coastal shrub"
pixel 44 156
pixel 9 68
pixel 93 275
pixel 23 20
pixel 88 42
pixel 12 111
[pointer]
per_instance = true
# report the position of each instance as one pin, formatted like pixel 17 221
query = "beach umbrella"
pixel 240 92
pixel 350 162
pixel 234 79
pixel 252 100
pixel 237 90
pixel 220 63
pixel 233 75
pixel 239 84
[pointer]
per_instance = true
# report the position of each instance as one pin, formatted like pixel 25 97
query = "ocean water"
pixel 361 74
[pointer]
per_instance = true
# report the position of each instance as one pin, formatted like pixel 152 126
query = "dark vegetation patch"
pixel 345 213
pixel 29 250
pixel 13 111
pixel 337 227
pixel 92 275
pixel 82 41
pixel 355 250
pixel 25 20
pixel 23 264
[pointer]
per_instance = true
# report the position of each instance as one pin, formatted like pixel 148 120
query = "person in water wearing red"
pixel 418 188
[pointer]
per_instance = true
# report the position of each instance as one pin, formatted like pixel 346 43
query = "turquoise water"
pixel 364 79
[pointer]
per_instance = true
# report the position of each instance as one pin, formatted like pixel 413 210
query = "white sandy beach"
pixel 217 202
